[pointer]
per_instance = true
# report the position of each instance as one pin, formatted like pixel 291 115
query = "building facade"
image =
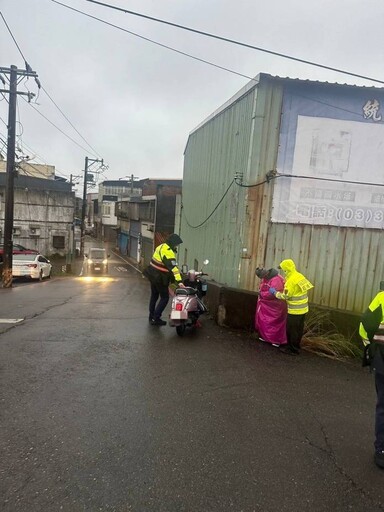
pixel 43 214
pixel 25 168
pixel 146 221
pixel 290 169
pixel 110 192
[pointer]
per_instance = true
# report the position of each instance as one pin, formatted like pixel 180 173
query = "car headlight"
pixel 90 262
pixel 105 262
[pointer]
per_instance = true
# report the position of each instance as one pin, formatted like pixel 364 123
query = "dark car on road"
pixel 96 261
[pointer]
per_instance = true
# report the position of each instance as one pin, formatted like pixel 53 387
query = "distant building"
pixel 111 191
pixel 91 212
pixel 146 221
pixel 31 169
pixel 43 214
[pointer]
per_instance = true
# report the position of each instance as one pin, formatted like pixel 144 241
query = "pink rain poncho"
pixel 271 313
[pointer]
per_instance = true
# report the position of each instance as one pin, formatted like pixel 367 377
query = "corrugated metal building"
pixel 290 169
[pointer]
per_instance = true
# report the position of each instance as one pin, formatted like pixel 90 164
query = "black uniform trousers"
pixel 379 419
pixel 295 330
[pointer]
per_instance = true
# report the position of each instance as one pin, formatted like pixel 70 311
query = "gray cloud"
pixel 136 102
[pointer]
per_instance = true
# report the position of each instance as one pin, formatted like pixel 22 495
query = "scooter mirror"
pixel 205 262
pixel 184 269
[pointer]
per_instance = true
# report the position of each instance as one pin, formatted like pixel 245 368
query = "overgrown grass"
pixel 322 337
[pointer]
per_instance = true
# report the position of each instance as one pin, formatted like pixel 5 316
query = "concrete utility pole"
pixel 88 163
pixel 14 74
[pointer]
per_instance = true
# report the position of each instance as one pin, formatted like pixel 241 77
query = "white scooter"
pixel 187 303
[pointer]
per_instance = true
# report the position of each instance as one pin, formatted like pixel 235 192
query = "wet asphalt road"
pixel 100 411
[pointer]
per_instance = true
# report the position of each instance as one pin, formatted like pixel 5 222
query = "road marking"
pixel 127 262
pixel 121 269
pixel 10 320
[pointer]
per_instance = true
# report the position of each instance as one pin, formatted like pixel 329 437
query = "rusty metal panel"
pixel 263 152
pixel 346 265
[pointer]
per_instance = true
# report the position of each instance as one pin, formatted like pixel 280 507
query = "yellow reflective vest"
pixel 376 303
pixel 164 260
pixel 295 289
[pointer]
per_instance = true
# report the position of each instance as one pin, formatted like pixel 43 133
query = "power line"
pixel 57 128
pixel 14 40
pixel 4 97
pixel 213 211
pixel 317 178
pixel 22 144
pixel 154 42
pixel 46 92
pixel 74 127
pixel 271 175
pixel 233 41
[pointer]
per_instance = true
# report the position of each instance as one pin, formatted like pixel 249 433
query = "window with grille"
pixel 58 242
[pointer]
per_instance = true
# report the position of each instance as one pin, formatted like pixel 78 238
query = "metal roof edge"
pixel 241 92
pixel 255 82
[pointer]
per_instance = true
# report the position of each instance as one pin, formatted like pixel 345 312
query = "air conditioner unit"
pixel 34 232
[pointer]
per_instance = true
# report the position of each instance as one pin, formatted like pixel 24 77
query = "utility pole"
pixel 88 163
pixel 14 74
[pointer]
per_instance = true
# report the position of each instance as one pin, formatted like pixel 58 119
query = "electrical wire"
pixel 46 92
pixel 14 40
pixel 233 41
pixel 57 128
pixel 317 178
pixel 74 127
pixel 213 211
pixel 4 97
pixel 155 42
pixel 269 178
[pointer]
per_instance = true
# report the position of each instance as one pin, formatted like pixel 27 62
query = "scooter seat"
pixel 186 291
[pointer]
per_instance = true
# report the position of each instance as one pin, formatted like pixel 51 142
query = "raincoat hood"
pixel 173 241
pixel 272 272
pixel 288 266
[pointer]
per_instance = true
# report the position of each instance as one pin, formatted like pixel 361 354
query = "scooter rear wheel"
pixel 180 329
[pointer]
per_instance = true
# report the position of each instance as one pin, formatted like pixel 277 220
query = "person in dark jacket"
pixel 371 331
pixel 161 272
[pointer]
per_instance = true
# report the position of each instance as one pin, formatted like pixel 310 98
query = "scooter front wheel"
pixel 180 329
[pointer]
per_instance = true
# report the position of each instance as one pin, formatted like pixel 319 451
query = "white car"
pixel 35 266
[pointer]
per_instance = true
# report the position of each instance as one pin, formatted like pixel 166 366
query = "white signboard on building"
pixel 337 170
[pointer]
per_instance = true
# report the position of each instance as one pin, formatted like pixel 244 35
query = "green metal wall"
pixel 214 153
pixel 236 140
pixel 345 264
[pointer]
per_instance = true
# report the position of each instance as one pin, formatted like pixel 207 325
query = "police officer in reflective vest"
pixel 296 296
pixel 371 331
pixel 162 271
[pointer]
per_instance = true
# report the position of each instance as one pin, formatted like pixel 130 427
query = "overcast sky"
pixel 135 102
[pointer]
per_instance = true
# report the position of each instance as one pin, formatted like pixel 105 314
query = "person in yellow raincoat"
pixel 371 330
pixel 296 296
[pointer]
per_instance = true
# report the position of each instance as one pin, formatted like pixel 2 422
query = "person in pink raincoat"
pixel 271 313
